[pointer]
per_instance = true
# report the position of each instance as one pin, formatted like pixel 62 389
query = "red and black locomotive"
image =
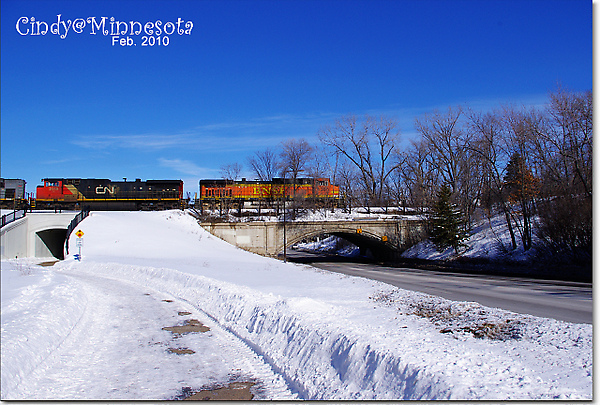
pixel 105 194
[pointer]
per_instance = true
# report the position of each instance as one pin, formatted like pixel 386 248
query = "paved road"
pixel 562 300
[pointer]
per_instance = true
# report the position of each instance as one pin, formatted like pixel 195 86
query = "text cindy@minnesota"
pixel 122 32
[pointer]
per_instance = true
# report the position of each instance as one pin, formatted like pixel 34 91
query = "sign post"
pixel 79 243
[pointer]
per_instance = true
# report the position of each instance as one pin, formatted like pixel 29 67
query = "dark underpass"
pixel 54 240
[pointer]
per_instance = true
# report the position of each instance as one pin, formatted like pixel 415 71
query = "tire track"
pixel 118 349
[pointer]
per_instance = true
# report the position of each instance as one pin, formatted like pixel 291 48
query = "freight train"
pixel 12 194
pixel 105 194
pixel 319 191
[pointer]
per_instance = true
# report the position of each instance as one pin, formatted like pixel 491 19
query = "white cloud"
pixel 248 136
pixel 145 141
pixel 186 167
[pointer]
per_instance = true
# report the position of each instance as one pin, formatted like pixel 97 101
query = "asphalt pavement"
pixel 561 300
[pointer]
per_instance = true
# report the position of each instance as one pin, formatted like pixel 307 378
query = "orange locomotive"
pixel 319 190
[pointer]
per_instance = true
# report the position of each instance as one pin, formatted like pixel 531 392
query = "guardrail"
pixel 78 218
pixel 13 216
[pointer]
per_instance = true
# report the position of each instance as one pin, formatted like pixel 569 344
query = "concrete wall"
pixel 257 237
pixel 384 238
pixel 35 235
pixel 13 239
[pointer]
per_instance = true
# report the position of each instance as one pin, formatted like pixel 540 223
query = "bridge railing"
pixel 78 218
pixel 13 216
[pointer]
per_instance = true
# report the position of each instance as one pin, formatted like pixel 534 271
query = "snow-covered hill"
pixel 305 333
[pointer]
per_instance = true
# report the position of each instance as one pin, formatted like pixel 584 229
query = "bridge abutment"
pixel 35 235
pixel 385 239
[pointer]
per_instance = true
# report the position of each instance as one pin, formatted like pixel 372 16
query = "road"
pixel 562 300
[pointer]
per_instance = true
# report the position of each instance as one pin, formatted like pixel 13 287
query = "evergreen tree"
pixel 519 181
pixel 447 224
pixel 522 187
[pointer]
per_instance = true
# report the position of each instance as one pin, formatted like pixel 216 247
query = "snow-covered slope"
pixel 489 239
pixel 327 336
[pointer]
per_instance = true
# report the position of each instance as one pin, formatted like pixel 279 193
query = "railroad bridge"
pixel 36 235
pixel 385 239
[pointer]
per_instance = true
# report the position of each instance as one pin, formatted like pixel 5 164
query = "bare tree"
pixel 564 144
pixel 417 174
pixel 518 142
pixel 320 164
pixel 369 145
pixel 448 142
pixel 231 171
pixel 386 137
pixel 264 164
pixel 347 177
pixel 396 188
pixel 295 157
pixel 487 145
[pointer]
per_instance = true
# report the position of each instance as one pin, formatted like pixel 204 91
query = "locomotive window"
pixel 52 184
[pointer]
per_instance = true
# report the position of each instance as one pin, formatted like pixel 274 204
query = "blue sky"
pixel 253 73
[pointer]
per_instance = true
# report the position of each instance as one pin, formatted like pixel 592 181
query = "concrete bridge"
pixel 384 239
pixel 36 235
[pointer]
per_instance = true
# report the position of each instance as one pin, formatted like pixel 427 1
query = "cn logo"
pixel 104 190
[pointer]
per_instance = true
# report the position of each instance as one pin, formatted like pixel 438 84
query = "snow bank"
pixel 39 309
pixel 332 336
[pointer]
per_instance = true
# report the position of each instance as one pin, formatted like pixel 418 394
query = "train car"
pixel 12 194
pixel 105 194
pixel 318 190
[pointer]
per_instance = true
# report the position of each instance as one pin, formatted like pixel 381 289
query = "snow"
pixel 331 244
pixel 307 215
pixel 489 239
pixel 93 329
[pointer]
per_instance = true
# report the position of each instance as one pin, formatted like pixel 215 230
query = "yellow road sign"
pixel 79 233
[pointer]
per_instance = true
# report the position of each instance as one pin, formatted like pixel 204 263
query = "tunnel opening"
pixel 328 244
pixel 370 247
pixel 52 243
pixel 343 246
